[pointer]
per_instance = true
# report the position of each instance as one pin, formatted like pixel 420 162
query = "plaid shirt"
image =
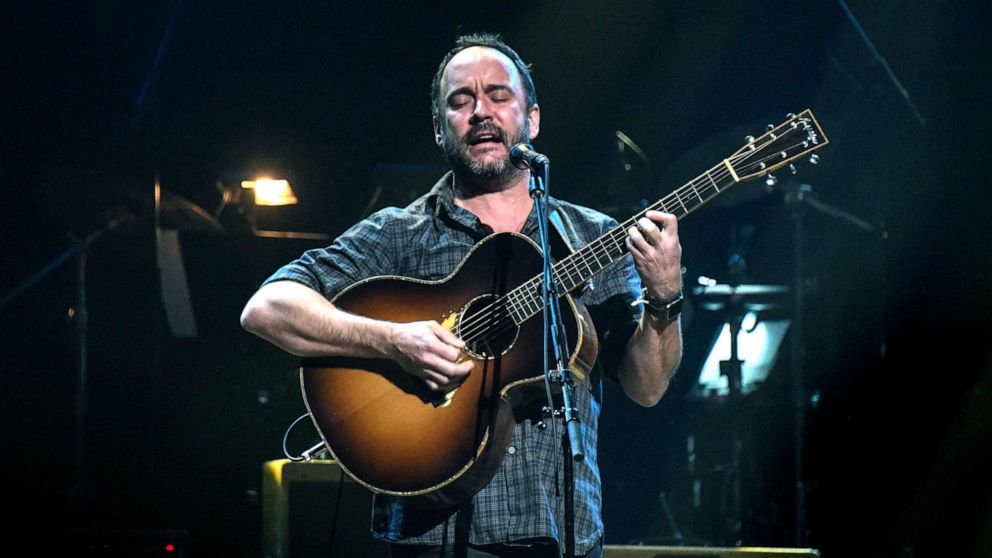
pixel 524 500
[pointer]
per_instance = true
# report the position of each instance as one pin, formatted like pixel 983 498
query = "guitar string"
pixel 486 317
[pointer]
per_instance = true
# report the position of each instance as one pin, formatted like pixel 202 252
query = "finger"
pixel 636 242
pixel 447 369
pixel 433 379
pixel 648 229
pixel 664 221
pixel 446 335
pixel 446 352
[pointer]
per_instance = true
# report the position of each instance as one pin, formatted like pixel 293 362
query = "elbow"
pixel 649 397
pixel 253 317
pixel 646 389
pixel 646 393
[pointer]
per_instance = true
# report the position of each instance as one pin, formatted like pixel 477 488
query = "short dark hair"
pixel 489 40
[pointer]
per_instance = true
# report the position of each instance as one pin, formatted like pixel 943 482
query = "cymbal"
pixel 754 298
pixel 177 212
pixel 174 211
pixel 739 290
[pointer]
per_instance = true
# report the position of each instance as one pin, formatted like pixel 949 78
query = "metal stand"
pixel 732 369
pixel 556 342
pixel 798 199
pixel 80 314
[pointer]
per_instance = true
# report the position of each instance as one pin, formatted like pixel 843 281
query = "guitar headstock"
pixel 779 146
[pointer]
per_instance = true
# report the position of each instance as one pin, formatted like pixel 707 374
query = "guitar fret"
pixel 616 242
pixel 695 191
pixel 535 297
pixel 570 278
pixel 596 255
pixel 582 257
pixel 713 182
pixel 514 306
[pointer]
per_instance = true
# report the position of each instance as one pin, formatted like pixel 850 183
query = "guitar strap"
pixel 566 232
pixel 567 237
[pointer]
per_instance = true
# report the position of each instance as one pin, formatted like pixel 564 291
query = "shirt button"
pixel 511 450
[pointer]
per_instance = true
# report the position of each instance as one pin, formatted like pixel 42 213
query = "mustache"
pixel 485 129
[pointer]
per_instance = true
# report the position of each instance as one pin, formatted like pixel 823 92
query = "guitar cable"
pixel 306 455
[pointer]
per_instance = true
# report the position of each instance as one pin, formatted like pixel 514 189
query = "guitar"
pixel 392 434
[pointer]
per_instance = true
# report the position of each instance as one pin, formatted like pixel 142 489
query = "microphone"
pixel 524 157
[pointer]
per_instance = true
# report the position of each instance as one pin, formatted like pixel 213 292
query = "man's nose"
pixel 481 111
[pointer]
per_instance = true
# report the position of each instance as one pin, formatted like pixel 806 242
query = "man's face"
pixel 484 113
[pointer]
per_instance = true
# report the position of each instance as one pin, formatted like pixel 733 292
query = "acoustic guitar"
pixel 392 434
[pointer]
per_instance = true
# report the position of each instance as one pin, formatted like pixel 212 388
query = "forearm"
pixel 653 354
pixel 302 322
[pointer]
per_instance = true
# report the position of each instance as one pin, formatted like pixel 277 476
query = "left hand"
pixel 654 243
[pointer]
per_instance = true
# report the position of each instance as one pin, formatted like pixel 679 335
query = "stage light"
pixel 242 193
pixel 271 192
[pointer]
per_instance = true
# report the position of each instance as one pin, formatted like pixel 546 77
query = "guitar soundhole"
pixel 487 327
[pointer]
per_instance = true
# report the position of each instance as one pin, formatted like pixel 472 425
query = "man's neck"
pixel 503 207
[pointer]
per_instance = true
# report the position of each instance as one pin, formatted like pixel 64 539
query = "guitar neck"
pixel 584 264
pixel 798 136
pixel 599 254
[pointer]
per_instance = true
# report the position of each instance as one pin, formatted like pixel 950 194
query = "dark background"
pixel 898 360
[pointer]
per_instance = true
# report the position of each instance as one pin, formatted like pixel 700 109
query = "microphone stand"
pixel 555 340
pixel 80 251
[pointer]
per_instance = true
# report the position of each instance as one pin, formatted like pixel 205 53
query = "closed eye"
pixel 459 100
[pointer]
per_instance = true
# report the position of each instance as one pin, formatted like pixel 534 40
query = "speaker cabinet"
pixel 311 509
pixel 621 551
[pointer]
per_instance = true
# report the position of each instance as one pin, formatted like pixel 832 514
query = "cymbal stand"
pixel 732 369
pixel 799 197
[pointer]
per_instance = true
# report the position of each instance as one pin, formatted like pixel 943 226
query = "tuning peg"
pixel 790 116
pixel 792 169
pixel 769 128
pixel 770 181
pixel 814 159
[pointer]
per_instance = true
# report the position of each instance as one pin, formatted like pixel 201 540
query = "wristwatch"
pixel 666 309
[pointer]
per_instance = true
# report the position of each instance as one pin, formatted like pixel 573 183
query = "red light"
pixel 170 547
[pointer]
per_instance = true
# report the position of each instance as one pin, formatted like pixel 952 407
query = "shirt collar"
pixel 442 199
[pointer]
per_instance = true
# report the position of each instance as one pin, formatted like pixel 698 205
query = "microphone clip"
pixel 523 156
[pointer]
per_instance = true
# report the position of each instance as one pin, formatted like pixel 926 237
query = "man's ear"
pixel 534 119
pixel 438 135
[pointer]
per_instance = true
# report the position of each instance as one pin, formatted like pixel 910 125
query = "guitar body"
pixel 393 434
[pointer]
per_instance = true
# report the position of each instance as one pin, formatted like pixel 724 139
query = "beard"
pixel 500 170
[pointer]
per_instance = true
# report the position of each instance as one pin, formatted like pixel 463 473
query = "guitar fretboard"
pixel 572 271
pixel 795 137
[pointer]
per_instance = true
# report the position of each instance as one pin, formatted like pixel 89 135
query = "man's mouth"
pixel 479 138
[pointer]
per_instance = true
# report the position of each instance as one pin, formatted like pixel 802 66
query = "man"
pixel 484 102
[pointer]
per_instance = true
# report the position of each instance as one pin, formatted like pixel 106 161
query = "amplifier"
pixel 311 509
pixel 625 551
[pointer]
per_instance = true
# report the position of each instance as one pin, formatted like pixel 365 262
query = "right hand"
pixel 430 352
